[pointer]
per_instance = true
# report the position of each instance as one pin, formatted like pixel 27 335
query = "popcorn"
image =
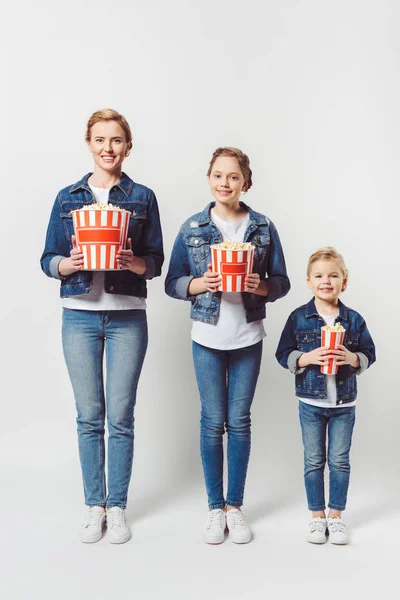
pixel 233 246
pixel 99 206
pixel 337 328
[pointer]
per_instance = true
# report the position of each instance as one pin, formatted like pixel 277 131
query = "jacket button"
pixel 196 241
pixel 340 382
pixel 340 401
pixel 350 342
pixel 111 288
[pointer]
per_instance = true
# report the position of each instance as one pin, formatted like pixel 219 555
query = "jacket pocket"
pixel 352 341
pixel 198 249
pixel 306 341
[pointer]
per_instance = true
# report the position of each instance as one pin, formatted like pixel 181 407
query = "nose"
pixel 225 182
pixel 107 146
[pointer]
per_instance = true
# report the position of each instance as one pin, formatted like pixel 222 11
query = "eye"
pixel 98 140
pixel 217 176
pixel 117 141
pixel 235 177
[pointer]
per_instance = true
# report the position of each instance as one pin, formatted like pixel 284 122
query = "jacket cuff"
pixel 53 267
pixel 363 363
pixel 274 289
pixel 150 267
pixel 292 362
pixel 182 287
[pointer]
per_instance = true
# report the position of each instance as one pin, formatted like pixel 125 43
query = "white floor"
pixel 166 557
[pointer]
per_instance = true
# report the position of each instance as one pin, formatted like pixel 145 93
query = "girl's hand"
pixel 251 282
pixel 74 263
pixel 345 357
pixel 320 356
pixel 211 280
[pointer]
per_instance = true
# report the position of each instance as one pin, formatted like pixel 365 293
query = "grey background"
pixel 310 91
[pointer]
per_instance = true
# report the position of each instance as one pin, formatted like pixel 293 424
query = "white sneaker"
pixel 215 527
pixel 239 532
pixel 337 531
pixel 92 529
pixel 317 531
pixel 117 529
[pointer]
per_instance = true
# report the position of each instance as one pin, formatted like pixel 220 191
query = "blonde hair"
pixel 328 253
pixel 108 114
pixel 243 161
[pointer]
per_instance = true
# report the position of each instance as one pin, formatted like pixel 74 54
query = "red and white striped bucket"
pixel 233 266
pixel 331 339
pixel 100 234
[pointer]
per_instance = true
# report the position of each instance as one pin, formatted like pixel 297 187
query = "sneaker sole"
pixel 121 540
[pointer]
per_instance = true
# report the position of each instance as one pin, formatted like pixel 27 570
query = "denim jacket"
pixel 191 255
pixel 302 333
pixel 144 230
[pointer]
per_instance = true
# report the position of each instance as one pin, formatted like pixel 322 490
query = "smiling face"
pixel 108 145
pixel 226 180
pixel 326 280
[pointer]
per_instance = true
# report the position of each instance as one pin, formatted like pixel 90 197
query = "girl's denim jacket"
pixel 302 333
pixel 144 230
pixel 191 255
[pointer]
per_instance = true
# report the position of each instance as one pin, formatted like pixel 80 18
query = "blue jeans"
pixel 122 336
pixel 227 381
pixel 315 423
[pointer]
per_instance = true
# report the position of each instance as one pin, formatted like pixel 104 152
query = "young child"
pixel 327 402
pixel 227 330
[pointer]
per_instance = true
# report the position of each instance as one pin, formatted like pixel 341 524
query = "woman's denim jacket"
pixel 191 255
pixel 302 333
pixel 144 230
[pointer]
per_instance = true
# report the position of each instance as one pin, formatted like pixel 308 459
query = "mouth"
pixel 326 289
pixel 108 159
pixel 224 192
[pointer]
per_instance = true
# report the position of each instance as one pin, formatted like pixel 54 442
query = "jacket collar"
pixel 311 310
pixel 255 218
pixel 125 184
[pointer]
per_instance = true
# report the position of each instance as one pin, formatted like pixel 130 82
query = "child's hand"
pixel 320 356
pixel 345 357
pixel 211 280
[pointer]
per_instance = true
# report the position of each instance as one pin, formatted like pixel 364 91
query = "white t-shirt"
pixel 331 392
pixel 231 331
pixel 99 299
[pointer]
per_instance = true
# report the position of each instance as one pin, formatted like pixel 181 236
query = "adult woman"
pixel 227 330
pixel 105 313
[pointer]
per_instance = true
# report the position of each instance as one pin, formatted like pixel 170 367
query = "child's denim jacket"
pixel 191 254
pixel 144 231
pixel 302 333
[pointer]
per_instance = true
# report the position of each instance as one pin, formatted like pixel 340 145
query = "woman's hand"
pixel 251 282
pixel 74 263
pixel 129 262
pixel 320 356
pixel 211 280
pixel 345 357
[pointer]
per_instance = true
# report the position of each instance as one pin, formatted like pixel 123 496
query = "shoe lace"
pixel 93 517
pixel 116 517
pixel 317 525
pixel 215 518
pixel 236 518
pixel 337 525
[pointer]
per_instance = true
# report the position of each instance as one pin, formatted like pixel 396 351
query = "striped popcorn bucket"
pixel 99 235
pixel 331 339
pixel 233 266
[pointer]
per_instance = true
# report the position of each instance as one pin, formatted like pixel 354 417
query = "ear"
pixel 344 284
pixel 309 282
pixel 245 187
